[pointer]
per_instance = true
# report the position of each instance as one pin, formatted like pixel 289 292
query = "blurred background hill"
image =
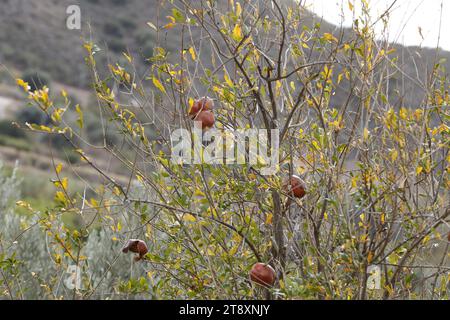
pixel 34 34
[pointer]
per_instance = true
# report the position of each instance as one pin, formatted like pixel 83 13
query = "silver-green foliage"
pixel 28 264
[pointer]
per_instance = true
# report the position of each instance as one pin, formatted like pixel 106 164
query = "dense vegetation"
pixel 374 162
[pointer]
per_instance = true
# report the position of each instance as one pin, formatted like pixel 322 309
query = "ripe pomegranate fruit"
pixel 262 274
pixel 202 104
pixel 295 187
pixel 136 246
pixel 206 118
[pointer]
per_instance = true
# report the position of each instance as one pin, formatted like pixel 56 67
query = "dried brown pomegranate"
pixel 136 246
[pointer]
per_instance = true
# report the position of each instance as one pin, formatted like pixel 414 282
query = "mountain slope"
pixel 33 35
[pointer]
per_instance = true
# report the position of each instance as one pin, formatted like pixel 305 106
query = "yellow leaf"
pixel 354 182
pixel 366 133
pixel 57 258
pixel 23 84
pixel 189 218
pixel 233 250
pixel 116 191
pixel 64 183
pixel 237 33
pixel 56 116
pixel 316 145
pixel 418 114
pixel 88 47
pixel 350 6
pixel 80 116
pixel 191 102
pixel 403 113
pixel 94 203
pixel 227 79
pixel 192 52
pixel 158 85
pixel 329 37
pixel 128 57
pixel 394 155
pixel 278 85
pixel 33 126
pixel 169 26
pixel 238 9
pixel 199 193
pixel 59 196
pixel 419 170
pixel 391 51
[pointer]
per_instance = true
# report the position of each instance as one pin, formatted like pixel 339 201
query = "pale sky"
pixel 406 18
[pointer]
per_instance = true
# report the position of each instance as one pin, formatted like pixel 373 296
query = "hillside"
pixel 34 36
